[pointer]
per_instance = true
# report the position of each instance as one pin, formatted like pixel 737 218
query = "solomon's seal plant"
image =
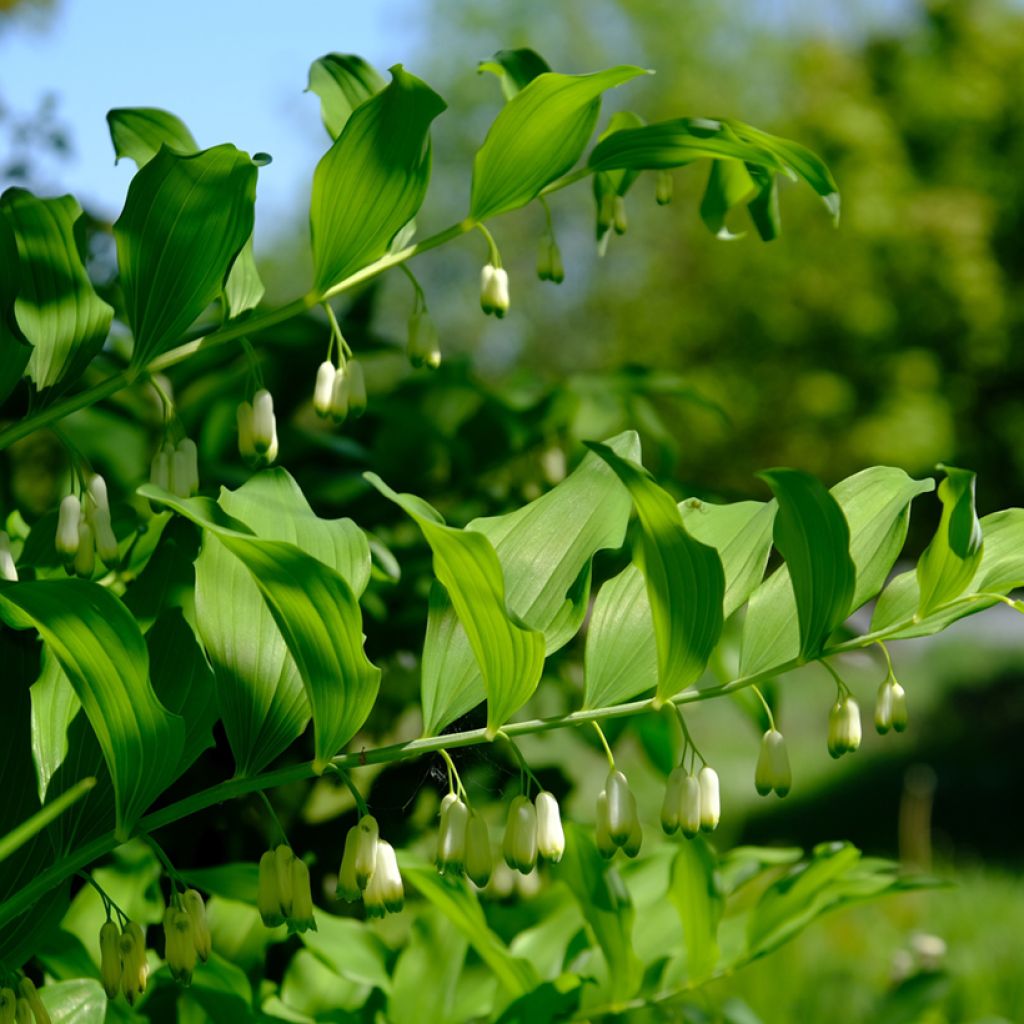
pixel 264 627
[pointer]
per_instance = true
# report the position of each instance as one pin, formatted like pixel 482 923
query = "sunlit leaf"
pixel 351 949
pixel 82 1001
pixel 54 705
pixel 729 184
pixel 244 287
pixel 14 349
pixel 342 81
pixel 99 646
pixel 685 580
pixel 185 220
pixel 56 309
pixel 138 133
pixel 510 655
pixel 424 985
pixel 515 69
pixel 694 891
pixel 371 182
pixel 539 134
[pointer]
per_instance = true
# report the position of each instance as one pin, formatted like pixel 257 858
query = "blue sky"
pixel 233 70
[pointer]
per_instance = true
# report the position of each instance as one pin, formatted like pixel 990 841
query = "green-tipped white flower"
pixel 422 347
pixel 520 843
pixel 479 862
pixel 494 290
pixel 891 707
pixel 193 905
pixel 135 971
pixel 602 835
pixel 385 892
pixel 631 847
pixel 663 188
pixel 97 515
pixel 69 524
pixel 110 959
pixel 8 570
pixel 673 798
pixel 264 423
pixel 622 812
pixel 348 888
pixel 85 558
pixel 324 388
pixel 340 395
pixel 710 799
pixel 8 1006
pixel 301 918
pixel 689 807
pixel 160 467
pixel 366 850
pixel 184 480
pixel 27 992
pixel 268 895
pixel 550 836
pixel 451 836
pixel 356 388
pixel 844 731
pixel 772 770
pixel 179 945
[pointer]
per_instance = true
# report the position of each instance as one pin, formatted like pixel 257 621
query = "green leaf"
pixel 538 136
pixel 99 646
pixel 27 830
pixel 621 659
pixel 510 655
pixel 545 550
pixel 515 69
pixel 138 133
pixel 243 289
pixel 82 1001
pixel 350 949
pixel 693 890
pixel 14 349
pixel 56 309
pixel 607 907
pixel 949 562
pixel 876 505
pixel 764 206
pixel 185 220
pixel 685 580
pixel 54 706
pixel 729 184
pixel 316 611
pixel 453 898
pixel 371 182
pixel 812 534
pixel 548 1003
pixel 342 81
pixel 1000 570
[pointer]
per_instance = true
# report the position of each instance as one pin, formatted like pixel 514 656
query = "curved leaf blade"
pixel 515 69
pixel 538 136
pixel 343 81
pixel 138 133
pixel 371 182
pixel 185 220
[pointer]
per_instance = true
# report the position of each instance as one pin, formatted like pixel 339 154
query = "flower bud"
pixel 619 220
pixel 160 467
pixel 673 796
pixel 27 991
pixel 246 445
pixel 324 388
pixel 366 850
pixel 422 347
pixel 631 847
pixel 494 290
pixel 8 570
pixel 194 906
pixel 772 770
pixel 891 707
pixel 283 857
pixel 135 970
pixel 268 899
pixel 622 813
pixel 348 888
pixel 844 733
pixel 605 209
pixel 356 387
pixel 544 259
pixel 301 918
pixel 97 515
pixel 710 800
pixel 110 959
pixel 602 834
pixel 185 469
pixel 180 951
pixel 8 1005
pixel 85 558
pixel 663 188
pixel 264 424
pixel 451 839
pixel 69 522
pixel 385 892
pixel 22 1012
pixel 689 807
pixel 340 395
pixel 899 707
pixel 479 863
pixel 550 836
pixel 520 843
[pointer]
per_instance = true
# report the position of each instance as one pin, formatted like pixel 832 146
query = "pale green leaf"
pixel 54 705
pixel 694 892
pixel 342 81
pixel 138 133
pixel 515 69
pixel 185 220
pixel 350 948
pixel 99 646
pixel 510 655
pixel 56 309
pixel 81 1001
pixel 244 287
pixel 371 182
pixel 538 136
pixel 729 184
pixel 424 984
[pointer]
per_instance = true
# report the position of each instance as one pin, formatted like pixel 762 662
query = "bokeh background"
pixel 896 339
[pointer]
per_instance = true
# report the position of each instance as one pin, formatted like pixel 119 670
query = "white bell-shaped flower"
pixel 494 299
pixel 550 835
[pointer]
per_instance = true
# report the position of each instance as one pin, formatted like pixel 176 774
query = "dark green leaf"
pixel 371 182
pixel 515 69
pixel 537 137
pixel 56 309
pixel 138 133
pixel 342 81
pixel 14 349
pixel 184 222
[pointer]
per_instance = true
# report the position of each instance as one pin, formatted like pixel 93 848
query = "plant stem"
pixel 604 743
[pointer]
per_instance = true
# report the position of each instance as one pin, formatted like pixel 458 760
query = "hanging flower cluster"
pixel 369 870
pixel 123 964
pixel 284 894
pixel 22 1006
